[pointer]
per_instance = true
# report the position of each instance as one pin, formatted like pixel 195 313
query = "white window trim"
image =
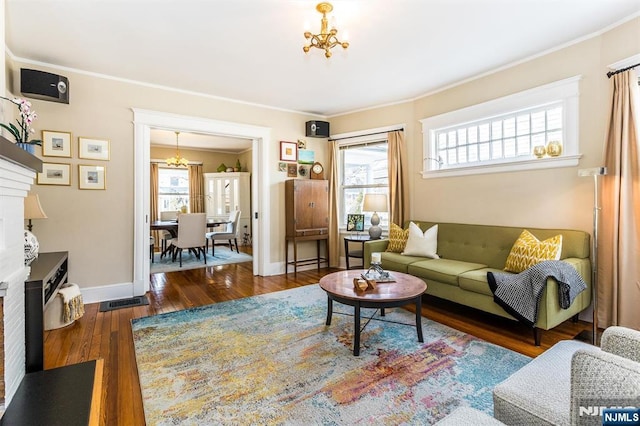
pixel 567 91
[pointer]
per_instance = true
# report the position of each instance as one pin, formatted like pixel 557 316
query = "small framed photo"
pixel 292 170
pixel 54 174
pixel 355 222
pixel 93 149
pixel 288 151
pixel 306 157
pixel 282 167
pixel 56 144
pixel 302 144
pixel 91 177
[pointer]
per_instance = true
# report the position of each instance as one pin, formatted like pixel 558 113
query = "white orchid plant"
pixel 23 131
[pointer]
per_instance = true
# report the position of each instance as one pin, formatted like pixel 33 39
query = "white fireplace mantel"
pixel 17 172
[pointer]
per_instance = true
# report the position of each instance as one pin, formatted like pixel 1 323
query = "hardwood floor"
pixel 107 335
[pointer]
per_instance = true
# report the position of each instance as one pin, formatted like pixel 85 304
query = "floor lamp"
pixel 596 172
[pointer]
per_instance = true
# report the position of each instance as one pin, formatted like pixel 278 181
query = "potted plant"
pixel 23 131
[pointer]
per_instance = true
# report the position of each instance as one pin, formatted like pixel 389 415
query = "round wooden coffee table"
pixel 404 290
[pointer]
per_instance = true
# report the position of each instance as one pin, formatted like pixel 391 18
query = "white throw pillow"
pixel 419 244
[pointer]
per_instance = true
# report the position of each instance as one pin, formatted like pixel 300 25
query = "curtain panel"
pixel 398 178
pixel 154 199
pixel 334 192
pixel 196 189
pixel 619 260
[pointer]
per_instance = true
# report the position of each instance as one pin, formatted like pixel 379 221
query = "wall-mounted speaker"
pixel 317 129
pixel 44 86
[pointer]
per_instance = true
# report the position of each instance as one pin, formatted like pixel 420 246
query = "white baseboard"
pixel 107 292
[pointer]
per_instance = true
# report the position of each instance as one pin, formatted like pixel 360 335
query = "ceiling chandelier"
pixel 327 39
pixel 177 161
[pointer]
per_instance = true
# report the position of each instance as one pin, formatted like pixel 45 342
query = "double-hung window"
pixel 502 134
pixel 363 169
pixel 173 189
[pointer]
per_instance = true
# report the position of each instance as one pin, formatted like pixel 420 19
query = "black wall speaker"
pixel 44 86
pixel 317 129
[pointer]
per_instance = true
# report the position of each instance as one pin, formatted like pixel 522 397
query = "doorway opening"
pixel 144 121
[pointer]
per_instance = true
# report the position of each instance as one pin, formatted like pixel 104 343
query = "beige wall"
pixel 96 227
pixel 555 198
pixel 210 159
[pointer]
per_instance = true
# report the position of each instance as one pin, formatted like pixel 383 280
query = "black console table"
pixel 48 272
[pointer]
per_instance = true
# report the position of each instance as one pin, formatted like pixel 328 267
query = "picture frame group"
pixel 58 144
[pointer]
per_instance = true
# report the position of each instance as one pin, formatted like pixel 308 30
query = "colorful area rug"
pixel 271 359
pixel 223 256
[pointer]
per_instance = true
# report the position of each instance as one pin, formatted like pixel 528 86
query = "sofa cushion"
pixel 397 261
pixel 476 281
pixel 442 270
pixel 422 244
pixel 397 239
pixel 528 250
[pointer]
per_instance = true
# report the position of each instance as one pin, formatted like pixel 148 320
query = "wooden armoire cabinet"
pixel 306 218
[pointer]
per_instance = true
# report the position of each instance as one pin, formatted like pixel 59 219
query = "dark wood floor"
pixel 107 335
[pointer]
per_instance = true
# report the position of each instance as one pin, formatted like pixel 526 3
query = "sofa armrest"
pixel 622 341
pixel 600 378
pixel 373 247
pixel 583 266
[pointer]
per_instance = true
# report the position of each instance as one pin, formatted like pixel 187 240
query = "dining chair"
pixel 152 247
pixel 190 236
pixel 230 234
pixel 166 235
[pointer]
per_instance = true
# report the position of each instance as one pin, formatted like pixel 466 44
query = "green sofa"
pixel 467 252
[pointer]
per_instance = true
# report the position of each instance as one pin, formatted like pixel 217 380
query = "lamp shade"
pixel 375 203
pixel 32 208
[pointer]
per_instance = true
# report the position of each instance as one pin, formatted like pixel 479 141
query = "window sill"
pixel 515 166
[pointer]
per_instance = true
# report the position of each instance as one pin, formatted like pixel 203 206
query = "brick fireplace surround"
pixel 17 172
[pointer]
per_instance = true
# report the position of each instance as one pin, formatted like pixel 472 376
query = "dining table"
pixel 172 227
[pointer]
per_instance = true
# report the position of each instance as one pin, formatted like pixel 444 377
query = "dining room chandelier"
pixel 327 39
pixel 177 161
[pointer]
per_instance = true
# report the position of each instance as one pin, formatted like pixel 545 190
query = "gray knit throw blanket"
pixel 519 294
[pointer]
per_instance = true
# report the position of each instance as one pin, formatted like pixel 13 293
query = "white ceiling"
pixel 251 50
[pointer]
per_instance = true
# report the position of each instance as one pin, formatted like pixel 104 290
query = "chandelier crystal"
pixel 327 39
pixel 177 161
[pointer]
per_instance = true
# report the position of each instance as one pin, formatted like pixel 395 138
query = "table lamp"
pixel 375 203
pixel 33 209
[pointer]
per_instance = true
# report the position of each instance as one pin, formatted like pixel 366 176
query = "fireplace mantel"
pixel 11 152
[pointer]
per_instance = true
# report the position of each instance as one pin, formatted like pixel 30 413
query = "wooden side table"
pixel 358 254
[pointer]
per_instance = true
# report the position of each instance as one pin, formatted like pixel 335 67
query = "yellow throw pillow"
pixel 528 250
pixel 397 239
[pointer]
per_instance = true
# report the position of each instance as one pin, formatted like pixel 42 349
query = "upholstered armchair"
pixel 565 384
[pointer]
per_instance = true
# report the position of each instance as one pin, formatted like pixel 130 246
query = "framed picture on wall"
pixel 288 151
pixel 91 177
pixel 56 144
pixel 54 174
pixel 292 170
pixel 93 149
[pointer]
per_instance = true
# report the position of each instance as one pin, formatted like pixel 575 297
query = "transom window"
pixel 507 136
pixel 500 135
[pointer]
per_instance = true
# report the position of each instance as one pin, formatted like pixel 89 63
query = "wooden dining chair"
pixel 230 234
pixel 190 236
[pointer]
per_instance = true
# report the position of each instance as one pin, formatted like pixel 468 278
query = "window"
pixel 500 135
pixel 363 168
pixel 173 189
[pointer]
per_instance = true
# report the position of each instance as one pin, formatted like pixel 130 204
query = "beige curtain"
pixel 619 255
pixel 154 200
pixel 196 189
pixel 334 223
pixel 398 179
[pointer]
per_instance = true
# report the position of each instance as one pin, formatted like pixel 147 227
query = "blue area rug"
pixel 271 359
pixel 223 256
